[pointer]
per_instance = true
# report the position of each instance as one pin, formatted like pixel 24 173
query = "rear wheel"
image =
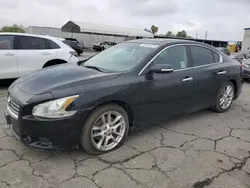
pixel 105 129
pixel 225 97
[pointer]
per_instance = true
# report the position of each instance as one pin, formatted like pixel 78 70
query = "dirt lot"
pixel 204 149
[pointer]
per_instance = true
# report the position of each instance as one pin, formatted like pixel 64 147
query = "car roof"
pixel 162 42
pixel 26 34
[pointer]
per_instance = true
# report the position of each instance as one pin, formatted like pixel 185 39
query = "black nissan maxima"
pixel 133 83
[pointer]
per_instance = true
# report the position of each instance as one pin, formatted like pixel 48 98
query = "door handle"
pixel 187 79
pixel 46 53
pixel 221 72
pixel 9 54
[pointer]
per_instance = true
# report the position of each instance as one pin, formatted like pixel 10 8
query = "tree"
pixel 170 34
pixel 182 34
pixel 154 29
pixel 15 28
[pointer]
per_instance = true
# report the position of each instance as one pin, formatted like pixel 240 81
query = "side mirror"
pixel 161 69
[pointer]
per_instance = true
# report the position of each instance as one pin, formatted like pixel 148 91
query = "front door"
pixel 165 95
pixel 8 57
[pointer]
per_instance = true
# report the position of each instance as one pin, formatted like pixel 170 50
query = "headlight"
pixel 55 108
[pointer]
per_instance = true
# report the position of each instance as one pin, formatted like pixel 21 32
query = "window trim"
pixel 182 44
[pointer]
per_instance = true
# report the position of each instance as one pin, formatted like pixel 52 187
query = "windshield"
pixel 120 58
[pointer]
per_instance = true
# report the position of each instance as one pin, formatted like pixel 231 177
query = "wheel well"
pixel 126 107
pixel 235 85
pixel 54 62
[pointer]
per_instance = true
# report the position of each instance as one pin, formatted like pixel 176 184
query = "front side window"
pixel 175 56
pixel 201 55
pixel 6 42
pixel 121 57
pixel 31 43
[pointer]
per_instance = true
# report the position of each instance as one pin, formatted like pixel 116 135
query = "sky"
pixel 222 19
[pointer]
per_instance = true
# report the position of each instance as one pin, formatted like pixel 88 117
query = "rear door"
pixel 210 75
pixel 8 57
pixel 33 53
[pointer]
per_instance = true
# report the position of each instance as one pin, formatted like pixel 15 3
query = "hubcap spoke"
pixel 109 117
pixel 112 137
pixel 118 134
pixel 99 144
pixel 98 134
pixel 96 128
pixel 103 119
pixel 118 125
pixel 106 142
pixel 116 119
pixel 222 101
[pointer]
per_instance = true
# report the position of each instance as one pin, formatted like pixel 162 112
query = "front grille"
pixel 13 106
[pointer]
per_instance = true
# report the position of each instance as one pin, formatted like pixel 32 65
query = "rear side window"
pixel 31 43
pixel 216 57
pixel 201 55
pixel 52 45
pixel 6 42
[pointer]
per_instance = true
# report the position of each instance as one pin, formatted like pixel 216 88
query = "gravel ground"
pixel 203 149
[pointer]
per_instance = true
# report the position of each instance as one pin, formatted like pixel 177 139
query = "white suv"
pixel 22 53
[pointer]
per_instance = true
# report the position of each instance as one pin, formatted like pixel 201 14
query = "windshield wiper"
pixel 96 68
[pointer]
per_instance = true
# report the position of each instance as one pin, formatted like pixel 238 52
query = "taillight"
pixel 73 53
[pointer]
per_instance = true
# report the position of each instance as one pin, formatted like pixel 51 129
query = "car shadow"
pixel 4 84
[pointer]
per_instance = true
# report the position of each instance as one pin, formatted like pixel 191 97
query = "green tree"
pixel 170 34
pixel 182 34
pixel 15 28
pixel 154 29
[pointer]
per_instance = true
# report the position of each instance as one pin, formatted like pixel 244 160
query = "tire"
pixel 90 143
pixel 221 108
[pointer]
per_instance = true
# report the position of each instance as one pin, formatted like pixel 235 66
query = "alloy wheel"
pixel 108 130
pixel 226 97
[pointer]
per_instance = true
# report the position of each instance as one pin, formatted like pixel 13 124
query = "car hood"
pixel 60 77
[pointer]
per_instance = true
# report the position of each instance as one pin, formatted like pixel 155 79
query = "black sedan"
pixel 75 46
pixel 134 83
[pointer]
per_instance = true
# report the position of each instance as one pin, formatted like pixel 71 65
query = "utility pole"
pixel 197 34
pixel 206 35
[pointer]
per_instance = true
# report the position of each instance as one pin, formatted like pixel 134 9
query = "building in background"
pixel 89 33
pixel 246 39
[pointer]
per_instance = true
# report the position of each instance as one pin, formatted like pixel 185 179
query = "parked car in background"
pixel 75 40
pixel 103 46
pixel 244 55
pixel 21 54
pixel 74 45
pixel 246 68
pixel 224 50
pixel 133 83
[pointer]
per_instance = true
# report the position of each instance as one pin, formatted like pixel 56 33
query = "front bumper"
pixel 47 133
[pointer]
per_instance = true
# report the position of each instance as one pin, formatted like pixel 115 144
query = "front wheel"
pixel 105 129
pixel 225 97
